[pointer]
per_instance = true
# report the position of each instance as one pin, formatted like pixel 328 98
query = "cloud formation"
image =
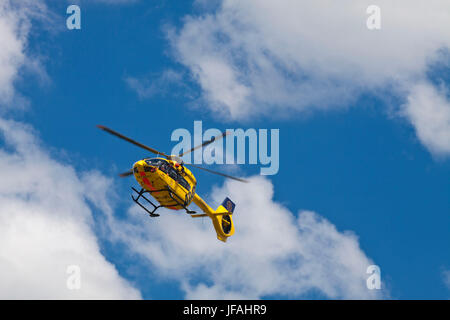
pixel 15 24
pixel 46 225
pixel 13 32
pixel 272 253
pixel 160 84
pixel 428 109
pixel 271 58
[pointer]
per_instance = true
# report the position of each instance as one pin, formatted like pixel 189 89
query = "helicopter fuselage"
pixel 173 186
pixel 169 182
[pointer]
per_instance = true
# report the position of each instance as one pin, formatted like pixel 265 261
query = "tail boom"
pixel 221 217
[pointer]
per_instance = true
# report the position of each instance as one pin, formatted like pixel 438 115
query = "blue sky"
pixel 361 165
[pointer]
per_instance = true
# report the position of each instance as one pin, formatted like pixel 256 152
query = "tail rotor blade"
pixel 126 174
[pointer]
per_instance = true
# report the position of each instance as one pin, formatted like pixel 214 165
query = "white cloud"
pixel 159 84
pixel 12 35
pixel 46 225
pixel 270 58
pixel 428 109
pixel 272 252
pixel 15 24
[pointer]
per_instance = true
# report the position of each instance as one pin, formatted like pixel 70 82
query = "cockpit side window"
pixel 153 162
pixel 171 172
pixel 184 183
pixel 163 167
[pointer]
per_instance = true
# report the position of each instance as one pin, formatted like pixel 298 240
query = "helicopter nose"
pixel 142 166
pixel 138 166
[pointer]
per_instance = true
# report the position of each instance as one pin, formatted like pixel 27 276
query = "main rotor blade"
pixel 215 172
pixel 121 136
pixel 126 174
pixel 223 134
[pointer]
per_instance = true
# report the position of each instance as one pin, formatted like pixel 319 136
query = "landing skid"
pixel 177 201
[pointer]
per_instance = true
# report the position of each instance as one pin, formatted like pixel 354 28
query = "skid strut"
pixel 141 195
pixel 176 199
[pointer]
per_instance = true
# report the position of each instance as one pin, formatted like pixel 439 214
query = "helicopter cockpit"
pixel 165 167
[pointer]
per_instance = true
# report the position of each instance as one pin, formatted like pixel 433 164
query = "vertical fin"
pixel 228 205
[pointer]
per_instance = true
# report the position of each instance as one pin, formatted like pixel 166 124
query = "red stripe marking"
pixel 147 182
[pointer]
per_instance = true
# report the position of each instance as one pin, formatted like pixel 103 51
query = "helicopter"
pixel 167 179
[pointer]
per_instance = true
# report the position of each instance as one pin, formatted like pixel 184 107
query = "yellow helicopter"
pixel 172 185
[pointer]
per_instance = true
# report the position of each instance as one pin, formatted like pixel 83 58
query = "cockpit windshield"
pixel 153 162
